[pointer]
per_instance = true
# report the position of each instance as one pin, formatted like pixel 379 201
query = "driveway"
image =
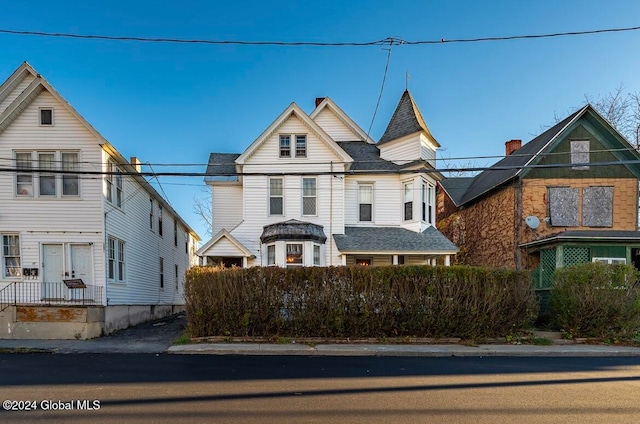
pixel 150 337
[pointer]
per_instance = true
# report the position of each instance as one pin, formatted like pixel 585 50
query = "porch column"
pixel 394 260
pixel 245 262
pixel 447 260
pixel 344 259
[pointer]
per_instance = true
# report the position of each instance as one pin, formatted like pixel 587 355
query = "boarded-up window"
pixel 563 206
pixel 597 207
pixel 580 154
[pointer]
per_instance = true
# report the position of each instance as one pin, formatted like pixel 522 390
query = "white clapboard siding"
pixel 144 247
pixel 227 207
pixel 333 126
pixel 15 93
pixel 402 151
pixel 387 199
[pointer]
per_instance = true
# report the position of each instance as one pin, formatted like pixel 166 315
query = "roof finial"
pixel 407 78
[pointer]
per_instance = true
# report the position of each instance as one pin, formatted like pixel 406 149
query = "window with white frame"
pixel 294 254
pixel 175 232
pixel 160 220
pixel 70 181
pixel 271 254
pixel 285 146
pixel 114 186
pixel 48 182
pixel 176 276
pixel 11 256
pixel 610 261
pixel 408 201
pixel 24 178
pixel 309 194
pixel 46 116
pixel 301 146
pixel 115 260
pixel 276 198
pixel 151 214
pixel 365 202
pixel 316 254
pixel 428 201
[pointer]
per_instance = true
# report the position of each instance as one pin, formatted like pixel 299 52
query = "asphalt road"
pixel 160 388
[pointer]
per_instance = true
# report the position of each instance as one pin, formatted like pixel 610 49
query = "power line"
pixel 383 42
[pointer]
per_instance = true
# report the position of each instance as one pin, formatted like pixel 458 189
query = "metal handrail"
pixel 44 293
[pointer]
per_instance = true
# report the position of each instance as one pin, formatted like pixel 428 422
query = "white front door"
pixel 53 271
pixel 81 267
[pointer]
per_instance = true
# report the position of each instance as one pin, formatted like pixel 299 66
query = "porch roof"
pixel 587 236
pixel 393 240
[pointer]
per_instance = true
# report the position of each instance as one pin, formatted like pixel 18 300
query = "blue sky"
pixel 176 103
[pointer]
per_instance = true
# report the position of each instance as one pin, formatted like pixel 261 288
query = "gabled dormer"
pixel 407 137
pixel 336 123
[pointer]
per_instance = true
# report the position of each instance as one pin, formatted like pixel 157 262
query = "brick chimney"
pixel 319 100
pixel 511 146
pixel 135 162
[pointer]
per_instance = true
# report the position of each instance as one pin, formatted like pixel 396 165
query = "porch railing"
pixel 39 293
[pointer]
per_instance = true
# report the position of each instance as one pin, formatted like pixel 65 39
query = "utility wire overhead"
pixel 383 42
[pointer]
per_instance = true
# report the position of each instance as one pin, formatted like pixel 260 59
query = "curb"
pixel 401 350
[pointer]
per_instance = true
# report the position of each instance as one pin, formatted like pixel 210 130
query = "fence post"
pixel 15 295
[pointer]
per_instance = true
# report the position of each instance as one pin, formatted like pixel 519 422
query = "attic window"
pixel 580 154
pixel 285 146
pixel 46 116
pixel 301 146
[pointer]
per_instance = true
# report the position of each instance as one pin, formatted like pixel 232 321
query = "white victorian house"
pixel 315 190
pixel 88 246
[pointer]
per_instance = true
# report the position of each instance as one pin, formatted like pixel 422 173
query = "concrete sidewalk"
pixel 578 350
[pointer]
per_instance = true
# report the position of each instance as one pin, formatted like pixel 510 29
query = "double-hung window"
pixel 46 177
pixel 276 198
pixel 365 202
pixel 151 217
pixel 24 176
pixel 114 186
pixel 428 200
pixel 309 196
pixel 408 201
pixel 11 256
pixel 285 146
pixel 116 260
pixel 294 254
pixel 162 273
pixel 301 146
pixel 70 186
pixel 160 220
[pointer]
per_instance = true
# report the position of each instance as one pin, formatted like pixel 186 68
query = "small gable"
pixel 336 129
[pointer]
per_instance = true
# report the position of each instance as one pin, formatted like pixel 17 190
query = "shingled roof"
pixel 222 167
pixel 509 167
pixel 406 120
pixel 393 239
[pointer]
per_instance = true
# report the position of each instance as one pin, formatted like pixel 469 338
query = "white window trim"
pixel 427 190
pixel 292 264
pixel 315 196
pixel 119 251
pixel 293 146
pixel 373 193
pixel 53 120
pixel 404 201
pixel 34 156
pixel 269 196
pixel 3 269
pixel 275 260
pixel 609 260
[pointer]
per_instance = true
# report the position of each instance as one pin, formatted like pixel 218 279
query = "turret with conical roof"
pixel 407 137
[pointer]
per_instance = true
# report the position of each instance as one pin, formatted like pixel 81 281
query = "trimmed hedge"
pixel 358 302
pixel 596 300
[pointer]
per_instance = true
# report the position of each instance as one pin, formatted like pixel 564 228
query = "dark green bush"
pixel 596 300
pixel 358 302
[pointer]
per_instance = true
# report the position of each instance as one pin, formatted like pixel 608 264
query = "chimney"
pixel 319 100
pixel 135 162
pixel 511 146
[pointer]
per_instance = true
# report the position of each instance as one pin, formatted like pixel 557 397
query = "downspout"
pixel 331 214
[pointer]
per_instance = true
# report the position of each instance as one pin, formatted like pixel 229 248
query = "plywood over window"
pixel 597 207
pixel 563 206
